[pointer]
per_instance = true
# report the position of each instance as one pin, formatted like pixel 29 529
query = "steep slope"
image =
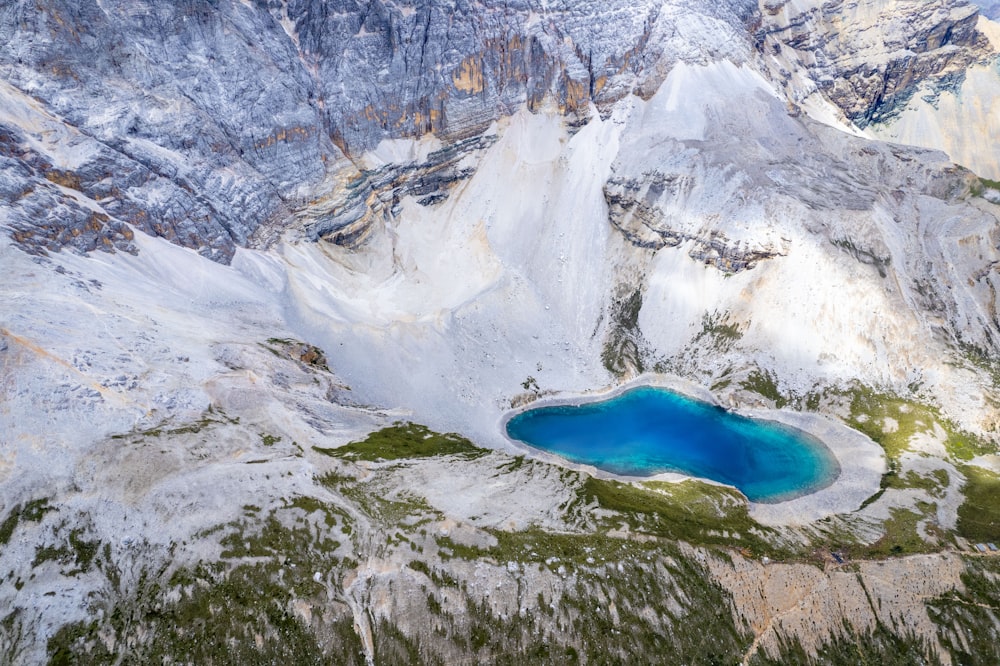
pixel 707 199
pixel 960 119
pixel 211 126
pixel 920 73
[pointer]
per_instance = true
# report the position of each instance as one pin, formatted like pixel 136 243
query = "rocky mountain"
pixel 920 73
pixel 207 125
pixel 258 255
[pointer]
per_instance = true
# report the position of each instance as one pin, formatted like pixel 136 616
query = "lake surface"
pixel 647 431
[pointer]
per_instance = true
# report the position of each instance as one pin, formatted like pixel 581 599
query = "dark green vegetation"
pixel 864 255
pixel 691 511
pixel 979 515
pixel 612 600
pixel 76 553
pixel 211 417
pixel 980 185
pixel 31 511
pixel 970 619
pixel 405 440
pixel 614 585
pixel 869 410
pixel 765 384
pixel 239 610
pixel 606 599
pixel 717 329
pixel 625 344
pixel 982 359
pixel 881 646
pixel 892 422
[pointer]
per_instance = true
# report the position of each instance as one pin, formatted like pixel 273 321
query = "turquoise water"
pixel 646 431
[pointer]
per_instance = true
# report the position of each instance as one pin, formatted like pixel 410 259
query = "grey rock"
pixel 219 124
pixel 215 124
pixel 871 69
pixel 648 226
pixel 375 195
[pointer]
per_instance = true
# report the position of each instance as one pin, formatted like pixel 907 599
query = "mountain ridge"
pixel 333 233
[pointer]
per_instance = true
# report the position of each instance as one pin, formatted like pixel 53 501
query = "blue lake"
pixel 647 431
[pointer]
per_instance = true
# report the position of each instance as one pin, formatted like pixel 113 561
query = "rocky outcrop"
pixel 785 604
pixel 190 121
pixel 632 209
pixel 215 124
pixel 452 68
pixel 869 57
pixel 347 217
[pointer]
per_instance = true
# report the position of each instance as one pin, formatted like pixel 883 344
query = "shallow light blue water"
pixel 647 430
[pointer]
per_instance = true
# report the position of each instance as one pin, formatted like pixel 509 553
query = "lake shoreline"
pixel 861 461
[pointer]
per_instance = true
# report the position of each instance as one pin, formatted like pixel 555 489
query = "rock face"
pixel 350 213
pixel 211 124
pixel 648 226
pixel 403 69
pixel 869 57
pixel 215 125
pixel 186 121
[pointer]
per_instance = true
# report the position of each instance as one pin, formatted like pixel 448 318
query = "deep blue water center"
pixel 646 431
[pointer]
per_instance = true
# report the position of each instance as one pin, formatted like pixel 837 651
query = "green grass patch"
pixel 75 550
pixel 935 483
pixel 515 463
pixel 721 385
pixel 402 441
pixel 717 328
pixel 979 515
pixel 965 446
pixel 892 421
pixel 32 511
pixel 981 185
pixel 211 417
pixel 764 383
pixel 900 538
pixel 690 511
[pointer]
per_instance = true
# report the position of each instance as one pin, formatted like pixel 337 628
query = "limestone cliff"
pixel 215 125
pixel 211 124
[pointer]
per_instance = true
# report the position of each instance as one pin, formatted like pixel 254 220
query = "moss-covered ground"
pixel 615 586
pixel 893 422
pixel 404 440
